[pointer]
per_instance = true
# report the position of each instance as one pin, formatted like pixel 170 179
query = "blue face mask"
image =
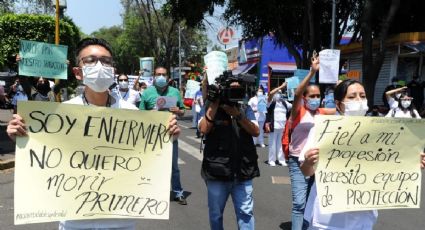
pixel 160 81
pixel 313 104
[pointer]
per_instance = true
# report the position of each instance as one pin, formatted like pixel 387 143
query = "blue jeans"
pixel 299 186
pixel 243 202
pixel 175 172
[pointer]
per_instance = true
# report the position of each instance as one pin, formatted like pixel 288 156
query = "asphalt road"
pixel 272 194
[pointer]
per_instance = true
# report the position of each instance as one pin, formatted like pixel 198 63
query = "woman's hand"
pixel 311 157
pixel 16 127
pixel 315 63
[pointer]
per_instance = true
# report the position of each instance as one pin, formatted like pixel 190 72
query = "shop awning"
pixel 282 67
pixel 243 69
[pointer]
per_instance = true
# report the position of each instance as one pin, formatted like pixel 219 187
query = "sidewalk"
pixel 7 147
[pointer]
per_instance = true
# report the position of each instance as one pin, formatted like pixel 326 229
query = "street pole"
pixel 57 23
pixel 57 96
pixel 180 60
pixel 333 24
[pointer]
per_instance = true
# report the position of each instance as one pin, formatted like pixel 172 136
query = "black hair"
pixel 90 42
pixel 123 74
pixel 411 108
pixel 158 67
pixel 308 86
pixel 342 88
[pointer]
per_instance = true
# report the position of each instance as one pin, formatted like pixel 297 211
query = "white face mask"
pixel 19 88
pixel 355 108
pixel 259 94
pixel 98 77
pixel 123 84
pixel 405 104
pixel 398 95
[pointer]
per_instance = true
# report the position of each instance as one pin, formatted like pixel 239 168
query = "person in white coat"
pixel 277 114
pixel 258 104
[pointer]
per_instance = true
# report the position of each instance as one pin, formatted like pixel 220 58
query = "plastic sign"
pixel 225 35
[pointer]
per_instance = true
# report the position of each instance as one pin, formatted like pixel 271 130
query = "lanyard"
pixel 108 102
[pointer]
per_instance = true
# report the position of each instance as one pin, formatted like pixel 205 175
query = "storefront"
pixel 403 59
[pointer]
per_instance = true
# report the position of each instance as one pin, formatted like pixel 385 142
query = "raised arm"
pixel 390 93
pixel 303 85
pixel 274 91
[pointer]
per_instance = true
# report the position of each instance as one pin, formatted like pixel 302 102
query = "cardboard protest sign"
pixel 329 66
pixel 216 62
pixel 301 74
pixel 368 163
pixel 191 88
pixel 43 59
pixel 87 162
pixel 293 83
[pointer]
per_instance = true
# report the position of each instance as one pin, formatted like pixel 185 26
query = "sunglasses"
pixel 92 60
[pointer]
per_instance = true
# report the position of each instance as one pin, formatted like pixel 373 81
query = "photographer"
pixel 230 157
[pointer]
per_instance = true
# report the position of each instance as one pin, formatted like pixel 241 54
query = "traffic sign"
pixel 225 35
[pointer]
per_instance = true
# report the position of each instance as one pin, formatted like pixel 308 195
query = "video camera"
pixel 228 92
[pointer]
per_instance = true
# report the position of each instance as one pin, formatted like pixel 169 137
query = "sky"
pixel 91 15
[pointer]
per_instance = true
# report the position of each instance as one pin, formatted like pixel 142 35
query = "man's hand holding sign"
pixel 90 162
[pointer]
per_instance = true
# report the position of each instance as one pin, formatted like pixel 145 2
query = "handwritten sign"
pixel 86 162
pixel 329 66
pixel 216 62
pixel 43 59
pixel 368 163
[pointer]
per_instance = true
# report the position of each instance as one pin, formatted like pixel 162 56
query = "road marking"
pixel 184 126
pixel 180 162
pixel 198 140
pixel 281 180
pixel 189 149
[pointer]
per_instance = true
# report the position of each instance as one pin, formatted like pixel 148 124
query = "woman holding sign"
pixel 350 99
pixel 304 108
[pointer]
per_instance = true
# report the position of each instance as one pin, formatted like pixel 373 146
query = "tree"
pixel 299 25
pixel 15 27
pixel 306 24
pixel 149 31
pixel 6 6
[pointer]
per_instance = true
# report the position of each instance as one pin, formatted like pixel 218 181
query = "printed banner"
pixel 87 162
pixel 43 59
pixel 329 66
pixel 368 163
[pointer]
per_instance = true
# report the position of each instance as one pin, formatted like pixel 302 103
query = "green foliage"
pixel 15 27
pixel 149 31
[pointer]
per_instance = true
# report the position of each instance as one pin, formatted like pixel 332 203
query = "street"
pixel 272 194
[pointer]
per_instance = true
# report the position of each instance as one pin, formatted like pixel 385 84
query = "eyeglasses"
pixel 92 60
pixel 160 74
pixel 122 79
